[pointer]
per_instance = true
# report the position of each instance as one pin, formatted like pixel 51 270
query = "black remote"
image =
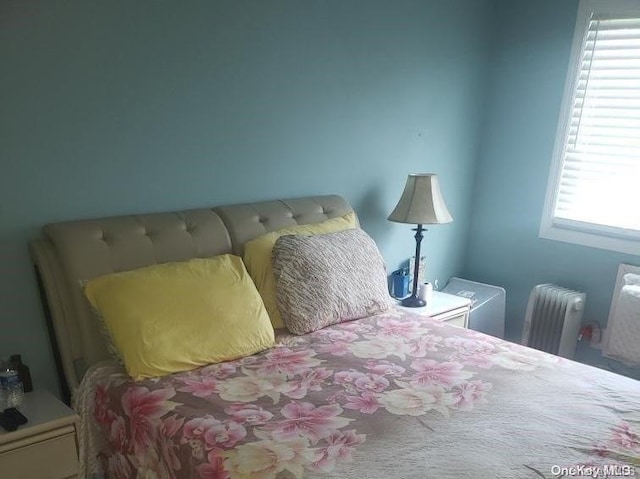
pixel 11 418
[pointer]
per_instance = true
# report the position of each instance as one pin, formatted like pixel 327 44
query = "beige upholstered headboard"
pixel 73 251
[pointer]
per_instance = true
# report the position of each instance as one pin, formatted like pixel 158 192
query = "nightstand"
pixel 46 446
pixel 445 307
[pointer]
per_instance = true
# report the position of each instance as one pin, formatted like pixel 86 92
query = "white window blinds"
pixel 599 180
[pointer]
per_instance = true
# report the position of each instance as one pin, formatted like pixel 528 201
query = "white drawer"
pixel 459 320
pixel 44 457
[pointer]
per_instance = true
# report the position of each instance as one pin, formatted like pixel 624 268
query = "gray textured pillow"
pixel 326 279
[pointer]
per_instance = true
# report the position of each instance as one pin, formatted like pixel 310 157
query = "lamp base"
pixel 413 302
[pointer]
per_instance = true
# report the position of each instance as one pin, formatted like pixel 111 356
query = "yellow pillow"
pixel 257 257
pixel 179 316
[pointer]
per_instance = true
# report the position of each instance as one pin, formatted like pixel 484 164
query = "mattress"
pixel 394 395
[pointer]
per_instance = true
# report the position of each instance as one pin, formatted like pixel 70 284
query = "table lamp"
pixel 421 203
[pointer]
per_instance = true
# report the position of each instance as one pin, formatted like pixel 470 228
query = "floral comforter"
pixel 390 396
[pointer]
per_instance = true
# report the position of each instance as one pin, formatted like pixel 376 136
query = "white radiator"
pixel 552 321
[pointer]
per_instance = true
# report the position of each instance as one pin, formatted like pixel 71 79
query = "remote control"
pixel 11 418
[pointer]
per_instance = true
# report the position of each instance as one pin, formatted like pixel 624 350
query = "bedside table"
pixel 445 307
pixel 44 447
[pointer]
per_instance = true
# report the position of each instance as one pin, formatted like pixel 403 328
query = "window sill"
pixel 593 240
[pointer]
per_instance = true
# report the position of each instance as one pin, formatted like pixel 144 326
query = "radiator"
pixel 552 321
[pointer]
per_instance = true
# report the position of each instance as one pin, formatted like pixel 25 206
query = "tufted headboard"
pixel 72 251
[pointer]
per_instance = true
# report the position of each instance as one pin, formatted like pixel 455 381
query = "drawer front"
pixel 55 458
pixel 458 320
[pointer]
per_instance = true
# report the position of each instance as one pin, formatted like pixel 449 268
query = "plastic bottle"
pixel 23 372
pixel 11 385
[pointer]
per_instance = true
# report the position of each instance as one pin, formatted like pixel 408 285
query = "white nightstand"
pixel 46 446
pixel 446 307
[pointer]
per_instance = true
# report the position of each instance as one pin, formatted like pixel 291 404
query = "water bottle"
pixel 11 386
pixel 23 372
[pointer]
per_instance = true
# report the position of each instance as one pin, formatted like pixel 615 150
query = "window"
pixel 593 194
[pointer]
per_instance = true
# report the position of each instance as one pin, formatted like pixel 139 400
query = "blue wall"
pixel 530 55
pixel 119 107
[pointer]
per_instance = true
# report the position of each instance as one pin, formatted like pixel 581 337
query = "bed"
pixel 393 394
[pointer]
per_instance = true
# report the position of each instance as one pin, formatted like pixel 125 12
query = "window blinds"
pixel 599 181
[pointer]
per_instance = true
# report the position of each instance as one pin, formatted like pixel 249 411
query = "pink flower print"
pixel 415 402
pixel 355 327
pixel 347 377
pixel 467 395
pixel 248 414
pixel 197 448
pixel 195 428
pixel 201 387
pixel 118 434
pixel 168 446
pixel 342 336
pixel 340 446
pixel 367 403
pixel 338 348
pixel 283 360
pixel 223 434
pixel 144 409
pixel 316 376
pixel 215 433
pixel 247 360
pixel 219 370
pixel 306 420
pixel 102 405
pixel 149 465
pixel 306 381
pixel 624 437
pixel 479 361
pixel 111 416
pixel 379 347
pixel 252 386
pixel 384 368
pixel 469 345
pixel 118 466
pixel 403 328
pixel 337 397
pixel 418 347
pixel 371 383
pixel 266 459
pixel 433 373
pixel 214 468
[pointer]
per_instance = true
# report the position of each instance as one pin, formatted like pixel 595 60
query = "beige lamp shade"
pixel 421 202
